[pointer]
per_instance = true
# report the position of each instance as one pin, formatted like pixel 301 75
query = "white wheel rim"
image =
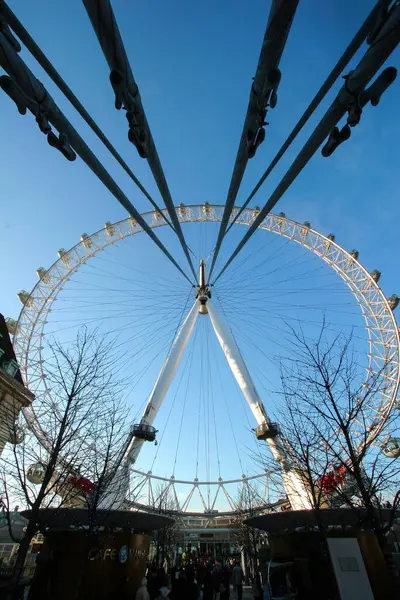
pixel 381 326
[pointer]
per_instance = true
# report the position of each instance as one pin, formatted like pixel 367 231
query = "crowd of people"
pixel 212 581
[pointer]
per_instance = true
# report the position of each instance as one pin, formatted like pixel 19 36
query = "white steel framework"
pixel 381 326
pixel 164 379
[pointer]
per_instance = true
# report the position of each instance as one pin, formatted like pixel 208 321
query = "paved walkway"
pixel 247 593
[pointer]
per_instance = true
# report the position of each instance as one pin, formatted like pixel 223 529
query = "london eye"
pixel 200 331
pixel 318 278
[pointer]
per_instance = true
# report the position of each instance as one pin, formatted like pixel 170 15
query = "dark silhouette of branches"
pixel 72 451
pixel 333 430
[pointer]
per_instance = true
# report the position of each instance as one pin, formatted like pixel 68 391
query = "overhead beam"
pixel 164 379
pixel 44 62
pixel 349 100
pixel 366 28
pixel 127 96
pixel 263 94
pixel 294 485
pixel 29 94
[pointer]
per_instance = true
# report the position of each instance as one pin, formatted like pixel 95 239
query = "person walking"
pixel 256 587
pixel 208 586
pixel 163 579
pixel 192 588
pixel 152 585
pixel 181 589
pixel 142 593
pixel 224 586
pixel 163 593
pixel 237 581
pixel 216 578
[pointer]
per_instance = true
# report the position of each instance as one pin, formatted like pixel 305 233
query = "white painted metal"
pixel 237 364
pixel 294 486
pixel 380 322
pixel 164 379
pixel 114 496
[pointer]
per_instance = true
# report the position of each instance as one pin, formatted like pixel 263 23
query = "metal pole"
pixel 116 492
pixel 386 41
pixel 237 364
pixel 164 379
pixel 266 82
pixel 44 62
pixel 347 55
pixel 293 484
pixel 127 95
pixel 34 96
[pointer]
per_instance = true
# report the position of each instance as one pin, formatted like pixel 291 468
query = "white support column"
pixel 237 364
pixel 294 486
pixel 164 379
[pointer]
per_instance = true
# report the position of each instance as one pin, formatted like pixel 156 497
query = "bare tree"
pixel 331 430
pixel 166 539
pixel 74 446
pixel 247 538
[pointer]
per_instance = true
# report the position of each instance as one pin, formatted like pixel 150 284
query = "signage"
pixel 123 554
pixel 348 563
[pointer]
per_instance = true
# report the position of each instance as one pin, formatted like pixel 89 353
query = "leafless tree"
pixel 165 540
pixel 331 432
pixel 74 447
pixel 247 538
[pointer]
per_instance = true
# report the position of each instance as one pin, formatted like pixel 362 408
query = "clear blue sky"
pixel 193 63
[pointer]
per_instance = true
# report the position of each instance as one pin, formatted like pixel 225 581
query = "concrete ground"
pixel 247 593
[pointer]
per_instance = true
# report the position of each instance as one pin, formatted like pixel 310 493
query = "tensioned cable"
pixel 185 399
pixel 107 252
pixel 139 290
pixel 139 376
pixel 206 412
pixel 46 65
pixel 347 55
pixel 144 324
pixel 161 281
pixel 125 312
pixel 249 330
pixel 251 274
pixel 228 411
pixel 238 390
pixel 170 411
pixel 262 95
pixel 33 89
pixel 198 433
pixel 127 93
pixel 212 404
pixel 154 339
pixel 284 247
pixel 258 251
pixel 175 329
pixel 383 44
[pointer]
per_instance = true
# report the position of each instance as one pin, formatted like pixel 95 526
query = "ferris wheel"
pixel 200 316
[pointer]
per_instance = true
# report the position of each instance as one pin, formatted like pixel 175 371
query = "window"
pixel 10 367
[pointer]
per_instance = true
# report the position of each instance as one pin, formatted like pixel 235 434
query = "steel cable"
pixel 383 45
pixel 264 87
pixel 127 95
pixel 347 55
pixel 46 65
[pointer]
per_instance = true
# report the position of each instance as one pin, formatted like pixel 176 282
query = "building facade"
pixel 13 393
